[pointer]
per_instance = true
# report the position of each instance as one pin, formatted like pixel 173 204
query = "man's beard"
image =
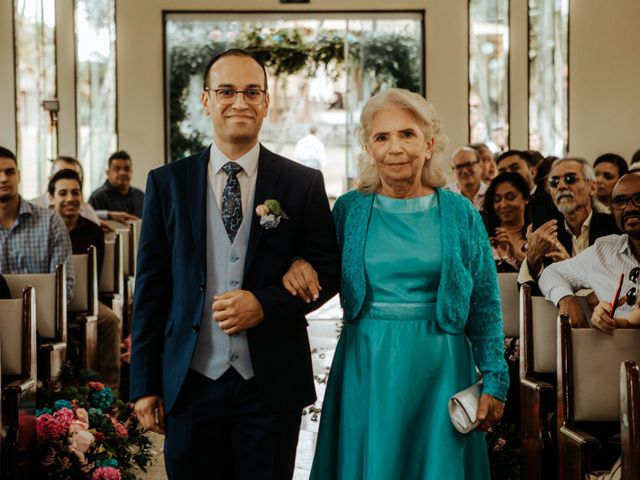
pixel 6 198
pixel 566 203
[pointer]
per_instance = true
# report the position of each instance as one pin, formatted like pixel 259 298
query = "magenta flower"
pixel 106 473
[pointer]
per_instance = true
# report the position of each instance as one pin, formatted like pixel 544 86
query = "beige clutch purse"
pixel 463 407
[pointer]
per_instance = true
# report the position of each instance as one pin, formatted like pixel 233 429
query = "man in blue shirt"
pixel 32 239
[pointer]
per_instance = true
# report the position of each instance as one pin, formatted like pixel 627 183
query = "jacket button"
pixel 195 327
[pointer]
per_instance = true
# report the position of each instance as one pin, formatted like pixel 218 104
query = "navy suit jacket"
pixel 171 275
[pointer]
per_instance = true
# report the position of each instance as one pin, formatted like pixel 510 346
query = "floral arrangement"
pixel 83 432
pixel 270 213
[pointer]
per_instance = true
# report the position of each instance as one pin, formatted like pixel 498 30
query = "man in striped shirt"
pixel 599 266
pixel 32 239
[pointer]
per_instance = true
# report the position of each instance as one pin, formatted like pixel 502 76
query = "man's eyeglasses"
pixel 461 166
pixel 569 179
pixel 227 96
pixel 620 202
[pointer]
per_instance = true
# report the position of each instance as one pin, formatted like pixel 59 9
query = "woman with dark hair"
pixel 609 168
pixel 505 204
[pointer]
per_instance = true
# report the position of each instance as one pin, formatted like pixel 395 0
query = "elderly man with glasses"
pixel 600 265
pixel 572 187
pixel 465 162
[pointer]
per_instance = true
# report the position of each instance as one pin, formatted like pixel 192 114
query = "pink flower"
pixel 78 426
pixel 95 386
pixel 106 473
pixel 215 35
pixel 120 429
pixel 81 441
pixel 82 415
pixel 52 427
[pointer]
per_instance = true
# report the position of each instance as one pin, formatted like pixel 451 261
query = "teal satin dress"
pixel 385 415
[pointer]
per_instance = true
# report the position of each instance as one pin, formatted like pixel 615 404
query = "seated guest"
pixel 65 191
pixel 609 168
pixel 61 163
pixel 32 239
pixel 505 205
pixel 599 266
pixel 541 207
pixel 117 194
pixel 465 162
pixel 487 160
pixel 572 187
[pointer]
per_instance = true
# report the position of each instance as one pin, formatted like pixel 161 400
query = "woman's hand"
pixel 302 280
pixel 505 246
pixel 490 411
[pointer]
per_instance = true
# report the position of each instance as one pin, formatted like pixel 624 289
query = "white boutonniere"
pixel 270 213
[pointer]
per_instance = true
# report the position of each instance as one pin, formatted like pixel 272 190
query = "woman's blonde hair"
pixel 429 122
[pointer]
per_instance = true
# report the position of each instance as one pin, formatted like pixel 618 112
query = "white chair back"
pixel 126 238
pixel 80 300
pixel 11 314
pixel 51 304
pixel 510 300
pixel 596 371
pixel 545 334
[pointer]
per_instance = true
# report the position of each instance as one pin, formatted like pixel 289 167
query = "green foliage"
pixel 391 58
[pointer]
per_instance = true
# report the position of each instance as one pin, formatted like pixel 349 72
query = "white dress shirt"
pixel 478 198
pixel 246 177
pixel 597 268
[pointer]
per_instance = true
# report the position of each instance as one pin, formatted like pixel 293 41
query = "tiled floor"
pixel 324 325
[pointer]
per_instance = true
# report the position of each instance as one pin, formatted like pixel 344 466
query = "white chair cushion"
pixel 45 286
pixel 510 299
pixel 11 336
pixel 80 300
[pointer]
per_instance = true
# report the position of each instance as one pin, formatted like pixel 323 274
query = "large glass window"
pixel 322 70
pixel 95 87
pixel 489 73
pixel 548 76
pixel 36 92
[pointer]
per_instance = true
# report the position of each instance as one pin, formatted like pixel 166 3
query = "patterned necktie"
pixel 232 200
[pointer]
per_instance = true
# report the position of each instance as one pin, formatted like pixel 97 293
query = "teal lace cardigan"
pixel 468 295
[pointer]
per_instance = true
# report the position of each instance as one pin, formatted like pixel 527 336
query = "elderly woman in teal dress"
pixel 421 309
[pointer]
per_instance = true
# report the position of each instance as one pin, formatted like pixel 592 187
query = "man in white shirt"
pixel 310 150
pixel 465 162
pixel 599 266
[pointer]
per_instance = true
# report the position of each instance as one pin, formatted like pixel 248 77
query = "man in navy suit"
pixel 220 355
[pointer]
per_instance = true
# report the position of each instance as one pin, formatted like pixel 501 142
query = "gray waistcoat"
pixel 215 350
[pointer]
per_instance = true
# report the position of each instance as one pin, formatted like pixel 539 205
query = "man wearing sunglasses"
pixel 571 184
pixel 599 266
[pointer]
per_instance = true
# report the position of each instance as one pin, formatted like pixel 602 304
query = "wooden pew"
pixel 19 382
pixel 630 419
pixel 51 301
pixel 588 396
pixel 538 319
pixel 83 311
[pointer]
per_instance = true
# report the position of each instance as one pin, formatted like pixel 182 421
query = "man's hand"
pixel 150 411
pixel 302 280
pixel 106 227
pixel 490 411
pixel 558 253
pixel 569 305
pixel 236 311
pixel 122 217
pixel 540 242
pixel 603 321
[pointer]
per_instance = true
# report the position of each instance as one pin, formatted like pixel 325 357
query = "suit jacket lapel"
pixel 266 187
pixel 197 182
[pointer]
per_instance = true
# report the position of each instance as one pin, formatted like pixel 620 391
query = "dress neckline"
pixel 405 205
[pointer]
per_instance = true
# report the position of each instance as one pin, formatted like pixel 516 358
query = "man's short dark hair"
pixel 526 156
pixel 232 52
pixel 6 153
pixel 119 155
pixel 615 159
pixel 64 174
